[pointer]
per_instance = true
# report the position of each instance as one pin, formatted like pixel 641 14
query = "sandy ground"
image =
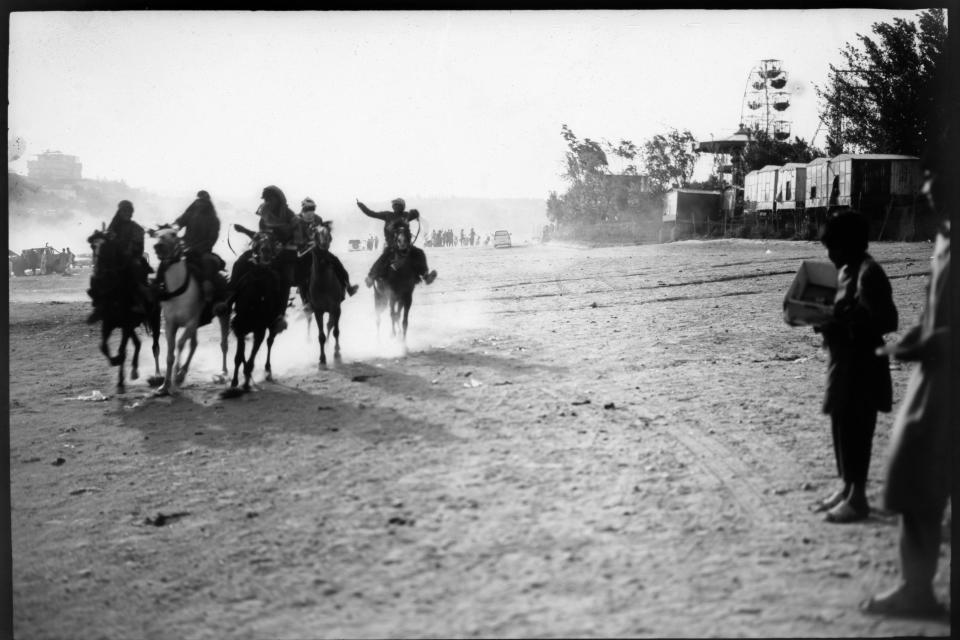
pixel 598 442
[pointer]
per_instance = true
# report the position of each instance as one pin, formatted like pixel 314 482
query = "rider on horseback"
pixel 202 229
pixel 278 220
pixel 129 238
pixel 388 258
pixel 309 224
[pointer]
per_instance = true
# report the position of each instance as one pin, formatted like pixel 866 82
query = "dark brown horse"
pixel 112 279
pixel 323 291
pixel 259 300
pixel 396 289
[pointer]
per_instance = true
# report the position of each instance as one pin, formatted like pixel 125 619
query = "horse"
pixel 181 298
pixel 324 292
pixel 259 298
pixel 117 308
pixel 396 290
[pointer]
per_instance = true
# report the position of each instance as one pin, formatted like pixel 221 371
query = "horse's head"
pixel 168 246
pixel 323 234
pixel 96 240
pixel 265 247
pixel 401 235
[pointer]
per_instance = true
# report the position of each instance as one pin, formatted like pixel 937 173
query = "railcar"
pixel 759 191
pixel 881 186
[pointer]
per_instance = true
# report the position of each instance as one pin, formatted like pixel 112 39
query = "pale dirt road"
pixel 605 442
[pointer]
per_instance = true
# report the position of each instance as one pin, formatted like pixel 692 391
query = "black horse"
pixel 321 289
pixel 259 292
pixel 395 291
pixel 115 286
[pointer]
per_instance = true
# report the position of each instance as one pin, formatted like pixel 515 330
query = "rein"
pixel 179 291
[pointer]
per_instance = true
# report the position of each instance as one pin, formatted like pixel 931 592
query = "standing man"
pixel 919 472
pixel 399 214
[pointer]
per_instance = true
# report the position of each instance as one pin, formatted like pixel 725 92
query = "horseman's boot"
pixel 351 288
pixel 368 281
pixel 430 277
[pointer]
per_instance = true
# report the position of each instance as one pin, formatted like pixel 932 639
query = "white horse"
pixel 181 301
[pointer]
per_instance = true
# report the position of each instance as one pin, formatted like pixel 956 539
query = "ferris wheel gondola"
pixel 766 99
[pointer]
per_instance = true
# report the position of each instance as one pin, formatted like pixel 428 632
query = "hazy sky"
pixel 378 104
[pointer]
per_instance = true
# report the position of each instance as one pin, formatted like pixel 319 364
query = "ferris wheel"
pixel 766 100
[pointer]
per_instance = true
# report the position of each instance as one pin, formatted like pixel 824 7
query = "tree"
pixel 884 98
pixel 670 159
pixel 764 150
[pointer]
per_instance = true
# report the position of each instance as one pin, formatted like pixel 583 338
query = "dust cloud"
pixel 296 351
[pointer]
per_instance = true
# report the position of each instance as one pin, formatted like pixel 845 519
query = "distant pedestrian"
pixel 858 380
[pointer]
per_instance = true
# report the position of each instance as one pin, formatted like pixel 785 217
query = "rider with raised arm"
pixel 390 221
pixel 201 230
pixel 309 221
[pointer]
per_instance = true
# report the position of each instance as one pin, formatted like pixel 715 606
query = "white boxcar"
pixel 760 189
pixel 791 185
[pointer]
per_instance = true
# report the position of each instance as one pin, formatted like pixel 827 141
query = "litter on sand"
pixel 93 396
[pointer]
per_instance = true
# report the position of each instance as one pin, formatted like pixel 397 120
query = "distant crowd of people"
pixel 448 238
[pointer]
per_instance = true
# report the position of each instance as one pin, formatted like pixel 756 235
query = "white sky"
pixel 373 105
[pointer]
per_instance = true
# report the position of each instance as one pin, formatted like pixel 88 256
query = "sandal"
pixel 898 603
pixel 845 513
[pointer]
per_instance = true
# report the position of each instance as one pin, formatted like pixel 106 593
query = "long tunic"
pixel 918 474
pixel 863 313
pixel 202 226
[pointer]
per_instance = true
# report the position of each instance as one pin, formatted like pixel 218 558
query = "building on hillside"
pixel 53 166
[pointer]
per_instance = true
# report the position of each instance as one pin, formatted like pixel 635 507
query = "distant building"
pixel 53 166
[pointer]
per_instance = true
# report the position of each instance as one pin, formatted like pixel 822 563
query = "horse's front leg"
pixel 156 379
pixel 322 337
pixel 189 334
pixel 224 344
pixel 238 359
pixel 134 374
pixel 268 370
pixel 333 326
pixel 169 385
pixel 248 367
pixel 407 303
pixel 104 339
pixel 119 360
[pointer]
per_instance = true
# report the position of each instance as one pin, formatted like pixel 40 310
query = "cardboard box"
pixel 809 300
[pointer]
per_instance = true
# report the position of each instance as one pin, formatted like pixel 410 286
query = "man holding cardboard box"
pixel 858 379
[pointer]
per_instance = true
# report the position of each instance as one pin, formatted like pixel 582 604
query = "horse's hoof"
pixel 155 381
pixel 162 392
pixel 121 389
pixel 268 377
pixel 220 378
pixel 134 375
